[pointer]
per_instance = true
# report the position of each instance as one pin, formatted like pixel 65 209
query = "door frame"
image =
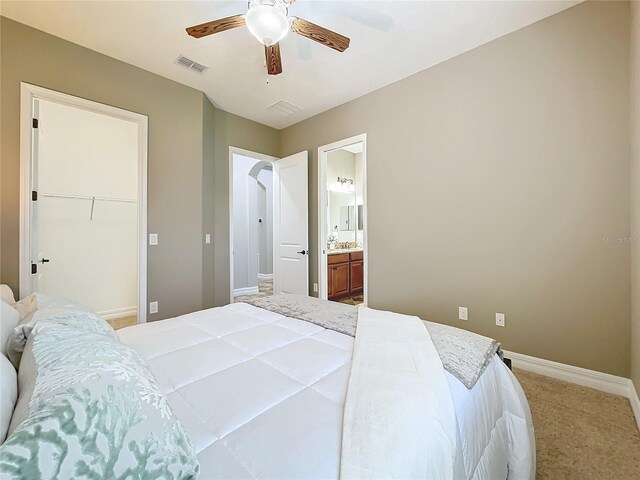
pixel 323 199
pixel 260 157
pixel 29 93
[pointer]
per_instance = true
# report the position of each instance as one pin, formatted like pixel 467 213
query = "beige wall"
pixel 208 200
pixel 492 180
pixel 175 152
pixel 188 163
pixel 635 192
pixel 235 131
pixel 516 154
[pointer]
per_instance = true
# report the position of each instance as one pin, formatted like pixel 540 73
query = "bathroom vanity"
pixel 345 272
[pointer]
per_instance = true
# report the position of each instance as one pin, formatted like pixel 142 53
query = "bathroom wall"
pixel 340 163
pixel 359 193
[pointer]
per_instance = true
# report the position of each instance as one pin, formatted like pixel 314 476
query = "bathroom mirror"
pixel 347 218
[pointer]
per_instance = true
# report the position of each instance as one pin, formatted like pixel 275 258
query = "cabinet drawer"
pixel 356 256
pixel 338 258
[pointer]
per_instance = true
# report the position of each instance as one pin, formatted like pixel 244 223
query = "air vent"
pixel 285 108
pixel 191 65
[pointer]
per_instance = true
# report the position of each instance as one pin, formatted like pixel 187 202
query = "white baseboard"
pixel 265 276
pixel 245 291
pixel 118 313
pixel 579 376
pixel 635 404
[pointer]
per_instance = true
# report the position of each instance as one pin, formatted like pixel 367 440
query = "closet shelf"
pixel 86 197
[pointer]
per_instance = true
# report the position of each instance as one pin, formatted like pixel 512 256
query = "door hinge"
pixel 34 196
pixel 34 123
pixel 34 268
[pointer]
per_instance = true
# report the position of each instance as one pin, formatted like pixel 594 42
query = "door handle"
pixel 303 252
pixel 44 260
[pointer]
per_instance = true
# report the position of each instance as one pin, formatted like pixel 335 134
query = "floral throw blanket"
pixel 465 355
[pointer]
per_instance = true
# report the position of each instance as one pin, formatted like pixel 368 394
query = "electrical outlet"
pixel 500 320
pixel 315 287
pixel 463 313
pixel 153 239
pixel 207 238
pixel 153 307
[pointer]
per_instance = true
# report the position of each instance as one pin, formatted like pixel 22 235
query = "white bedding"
pixel 262 396
pixel 399 420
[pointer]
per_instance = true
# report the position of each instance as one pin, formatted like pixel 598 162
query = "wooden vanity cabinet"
pixel 345 274
pixel 339 280
pixel 356 276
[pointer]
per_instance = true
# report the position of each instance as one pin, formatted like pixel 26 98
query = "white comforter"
pixel 262 396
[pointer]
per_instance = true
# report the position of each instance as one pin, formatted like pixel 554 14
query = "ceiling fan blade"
pixel 216 26
pixel 274 62
pixel 320 34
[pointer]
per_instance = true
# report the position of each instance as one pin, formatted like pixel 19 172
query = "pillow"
pixel 27 305
pixel 43 300
pixel 27 374
pixel 96 412
pixel 9 319
pixel 6 294
pixel 48 306
pixel 9 392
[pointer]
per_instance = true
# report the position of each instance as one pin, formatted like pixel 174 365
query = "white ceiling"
pixel 390 40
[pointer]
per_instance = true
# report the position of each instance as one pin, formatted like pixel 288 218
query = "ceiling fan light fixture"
pixel 267 22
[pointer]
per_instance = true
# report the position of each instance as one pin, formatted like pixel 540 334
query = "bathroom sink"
pixel 335 251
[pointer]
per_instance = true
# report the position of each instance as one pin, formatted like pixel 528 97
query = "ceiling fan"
pixel 268 21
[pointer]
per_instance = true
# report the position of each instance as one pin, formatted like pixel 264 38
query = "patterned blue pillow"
pixel 96 411
pixel 46 307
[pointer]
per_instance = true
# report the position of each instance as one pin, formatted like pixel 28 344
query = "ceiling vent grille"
pixel 191 65
pixel 285 108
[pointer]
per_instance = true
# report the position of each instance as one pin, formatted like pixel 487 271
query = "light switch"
pixel 500 320
pixel 153 239
pixel 207 238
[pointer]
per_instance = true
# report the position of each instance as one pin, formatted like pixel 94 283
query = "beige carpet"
pixel 581 433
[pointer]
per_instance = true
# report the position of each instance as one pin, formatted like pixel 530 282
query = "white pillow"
pixel 6 294
pixel 9 319
pixel 9 394
pixel 27 305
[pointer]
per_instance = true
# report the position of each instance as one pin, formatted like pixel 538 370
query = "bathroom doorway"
pixel 342 217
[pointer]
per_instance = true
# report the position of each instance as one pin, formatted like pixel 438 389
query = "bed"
pixel 262 395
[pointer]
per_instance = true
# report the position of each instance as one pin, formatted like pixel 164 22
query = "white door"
pixel 291 223
pixel 84 220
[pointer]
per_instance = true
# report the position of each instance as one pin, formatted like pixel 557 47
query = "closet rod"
pixel 84 197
